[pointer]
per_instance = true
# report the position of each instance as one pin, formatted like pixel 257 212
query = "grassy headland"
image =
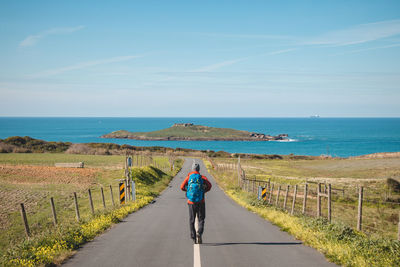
pixel 189 131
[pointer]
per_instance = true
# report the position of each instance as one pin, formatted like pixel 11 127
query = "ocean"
pixel 342 137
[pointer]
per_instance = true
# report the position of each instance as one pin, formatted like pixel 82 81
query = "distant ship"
pixel 314 116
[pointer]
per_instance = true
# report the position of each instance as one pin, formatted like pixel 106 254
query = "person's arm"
pixel 184 183
pixel 208 184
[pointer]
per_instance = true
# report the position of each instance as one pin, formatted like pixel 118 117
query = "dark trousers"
pixel 199 210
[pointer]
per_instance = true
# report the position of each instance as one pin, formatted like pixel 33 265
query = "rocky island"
pixel 192 132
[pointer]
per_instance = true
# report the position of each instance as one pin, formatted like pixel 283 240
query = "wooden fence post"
pixel 25 220
pixel 286 196
pixel 112 196
pixel 91 201
pixel 294 199
pixel 305 198
pixel 102 197
pixel 360 203
pixel 398 230
pixel 126 190
pixel 53 211
pixel 243 177
pixel 133 190
pixel 238 170
pixel 329 202
pixel 270 194
pixel 319 200
pixel 78 217
pixel 277 196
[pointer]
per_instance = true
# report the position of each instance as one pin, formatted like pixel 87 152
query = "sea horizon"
pixel 207 117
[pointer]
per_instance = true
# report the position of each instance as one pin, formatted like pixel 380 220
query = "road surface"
pixel 158 235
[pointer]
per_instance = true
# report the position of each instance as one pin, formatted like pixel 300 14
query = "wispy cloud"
pixel 358 34
pixel 367 49
pixel 33 39
pixel 244 36
pixel 222 64
pixel 219 65
pixel 280 52
pixel 81 65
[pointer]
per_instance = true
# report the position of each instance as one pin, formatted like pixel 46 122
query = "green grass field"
pixel 381 204
pixel 326 168
pixel 49 159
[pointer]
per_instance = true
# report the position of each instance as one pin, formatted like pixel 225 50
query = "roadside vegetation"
pixel 31 179
pixel 339 241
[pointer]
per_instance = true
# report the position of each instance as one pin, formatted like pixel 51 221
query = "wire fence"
pixel 68 207
pixel 359 207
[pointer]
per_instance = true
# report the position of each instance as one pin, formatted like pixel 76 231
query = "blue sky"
pixel 201 59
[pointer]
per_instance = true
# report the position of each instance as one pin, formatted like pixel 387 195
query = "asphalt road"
pixel 158 235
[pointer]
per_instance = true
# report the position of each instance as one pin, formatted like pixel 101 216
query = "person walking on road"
pixel 196 185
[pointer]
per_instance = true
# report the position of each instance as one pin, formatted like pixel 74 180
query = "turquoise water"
pixel 309 136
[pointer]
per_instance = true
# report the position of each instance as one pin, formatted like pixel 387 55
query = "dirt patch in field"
pixel 20 183
pixel 21 174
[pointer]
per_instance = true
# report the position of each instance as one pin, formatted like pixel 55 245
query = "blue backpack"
pixel 195 192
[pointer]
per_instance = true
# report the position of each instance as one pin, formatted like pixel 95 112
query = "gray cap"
pixel 195 167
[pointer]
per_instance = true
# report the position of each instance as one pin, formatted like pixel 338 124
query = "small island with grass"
pixel 192 132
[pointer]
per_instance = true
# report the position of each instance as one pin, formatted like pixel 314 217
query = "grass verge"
pixel 338 242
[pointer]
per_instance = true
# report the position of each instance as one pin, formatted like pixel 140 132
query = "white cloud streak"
pixel 82 65
pixel 222 64
pixel 358 34
pixel 367 49
pixel 209 69
pixel 280 52
pixel 245 36
pixel 219 65
pixel 34 39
